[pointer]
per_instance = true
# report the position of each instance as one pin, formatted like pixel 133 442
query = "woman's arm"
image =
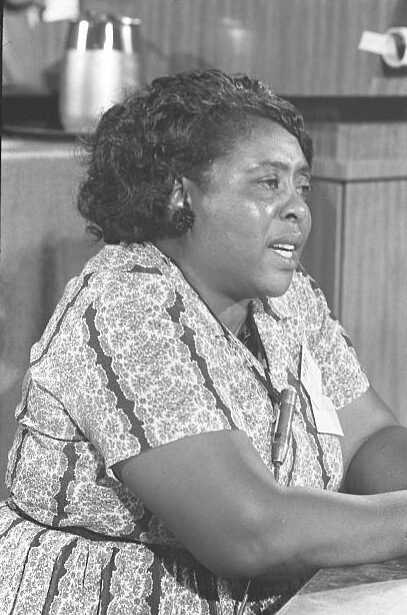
pixel 214 492
pixel 380 464
pixel 374 447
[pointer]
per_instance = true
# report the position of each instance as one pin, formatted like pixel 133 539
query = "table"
pixel 368 589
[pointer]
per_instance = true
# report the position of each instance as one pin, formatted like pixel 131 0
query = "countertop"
pixel 36 148
pixel 368 589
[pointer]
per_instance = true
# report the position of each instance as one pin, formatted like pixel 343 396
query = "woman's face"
pixel 252 220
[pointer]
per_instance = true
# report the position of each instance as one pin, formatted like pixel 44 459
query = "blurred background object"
pixel 102 60
pixel 59 10
pixel 304 48
pixel 30 47
pixel 391 46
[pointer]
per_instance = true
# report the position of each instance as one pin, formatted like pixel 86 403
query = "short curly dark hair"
pixel 174 128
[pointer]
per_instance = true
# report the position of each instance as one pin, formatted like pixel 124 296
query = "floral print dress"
pixel 131 359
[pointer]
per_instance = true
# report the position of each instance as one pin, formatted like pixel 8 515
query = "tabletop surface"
pixel 15 148
pixel 368 589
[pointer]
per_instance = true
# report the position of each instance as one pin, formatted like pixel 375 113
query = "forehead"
pixel 267 144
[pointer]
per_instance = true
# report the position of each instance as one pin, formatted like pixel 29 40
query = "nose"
pixel 295 209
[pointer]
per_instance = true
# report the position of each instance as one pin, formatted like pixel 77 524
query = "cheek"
pixel 237 228
pixel 246 238
pixel 249 222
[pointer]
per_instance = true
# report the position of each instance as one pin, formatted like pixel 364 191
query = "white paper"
pixel 385 45
pixel 376 43
pixel 59 10
pixel 325 415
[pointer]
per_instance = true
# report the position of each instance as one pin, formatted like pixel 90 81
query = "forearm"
pixel 294 530
pixel 322 529
pixel 380 464
pixel 229 512
pixel 354 529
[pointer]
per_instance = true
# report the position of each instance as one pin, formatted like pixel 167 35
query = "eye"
pixel 304 189
pixel 271 183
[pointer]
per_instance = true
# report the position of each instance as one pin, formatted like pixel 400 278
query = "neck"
pixel 231 313
pixel 234 316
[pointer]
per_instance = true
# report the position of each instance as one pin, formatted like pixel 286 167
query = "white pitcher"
pixel 103 60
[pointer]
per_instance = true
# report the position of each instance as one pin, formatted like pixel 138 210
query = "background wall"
pixel 304 48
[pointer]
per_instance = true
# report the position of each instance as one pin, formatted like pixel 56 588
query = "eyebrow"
pixel 305 168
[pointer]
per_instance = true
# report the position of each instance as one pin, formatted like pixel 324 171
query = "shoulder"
pixel 136 275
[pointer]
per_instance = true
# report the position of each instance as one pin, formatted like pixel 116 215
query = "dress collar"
pixel 280 308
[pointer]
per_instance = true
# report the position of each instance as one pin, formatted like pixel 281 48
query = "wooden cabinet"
pixel 358 246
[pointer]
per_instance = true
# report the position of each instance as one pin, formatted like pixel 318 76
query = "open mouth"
pixel 286 250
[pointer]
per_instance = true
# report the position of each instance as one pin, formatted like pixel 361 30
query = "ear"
pixel 180 209
pixel 181 194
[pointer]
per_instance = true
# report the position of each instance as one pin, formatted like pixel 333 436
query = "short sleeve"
pixel 133 383
pixel 342 375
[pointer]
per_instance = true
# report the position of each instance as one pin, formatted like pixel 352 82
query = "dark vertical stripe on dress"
pixel 141 269
pixel 267 384
pixel 105 597
pixel 176 310
pixel 59 323
pixel 156 571
pixel 58 572
pixel 268 309
pixel 124 404
pixel 68 476
pixel 12 525
pixel 188 338
pixel 347 339
pixel 34 543
pixel 37 538
pixel 85 568
pixel 24 433
pixel 310 427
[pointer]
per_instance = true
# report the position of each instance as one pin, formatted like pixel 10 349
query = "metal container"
pixel 103 60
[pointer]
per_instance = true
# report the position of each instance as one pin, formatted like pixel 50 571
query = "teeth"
pixel 284 246
pixel 286 250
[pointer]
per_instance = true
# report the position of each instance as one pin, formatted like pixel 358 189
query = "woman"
pixel 141 477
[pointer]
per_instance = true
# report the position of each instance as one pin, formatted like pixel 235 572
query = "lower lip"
pixel 290 261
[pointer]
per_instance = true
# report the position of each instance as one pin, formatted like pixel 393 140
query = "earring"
pixel 182 218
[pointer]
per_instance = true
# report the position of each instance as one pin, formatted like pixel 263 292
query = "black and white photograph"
pixel 203 307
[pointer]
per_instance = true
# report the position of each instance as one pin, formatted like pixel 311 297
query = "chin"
pixel 279 284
